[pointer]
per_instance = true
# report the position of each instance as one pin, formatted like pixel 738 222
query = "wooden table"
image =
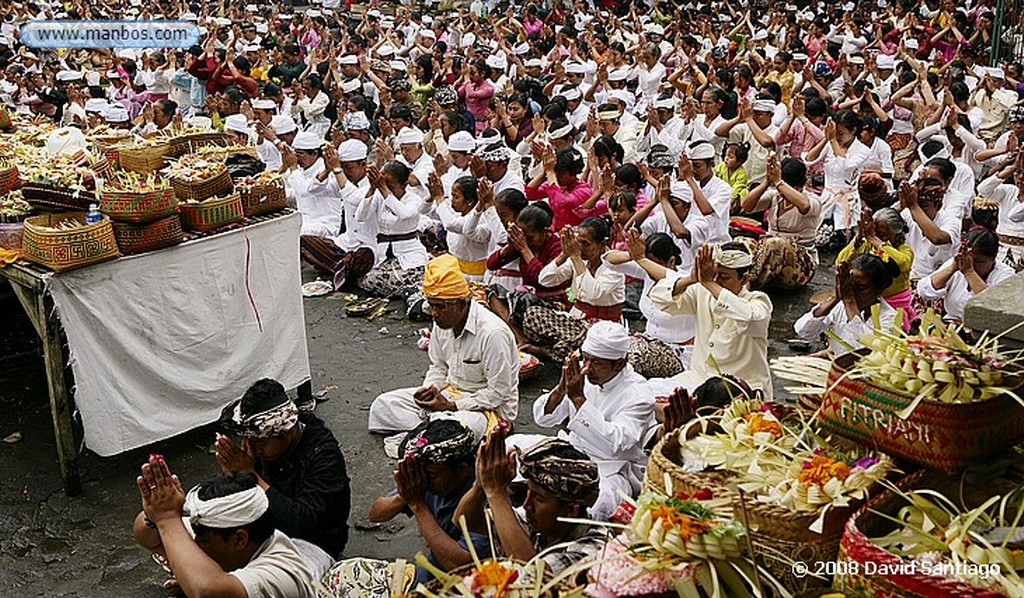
pixel 27 282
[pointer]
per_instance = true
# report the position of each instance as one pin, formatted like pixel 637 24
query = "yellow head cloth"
pixel 443 279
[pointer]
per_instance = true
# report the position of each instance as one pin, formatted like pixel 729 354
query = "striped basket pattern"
pixel 144 159
pixel 40 195
pixel 218 184
pixel 943 436
pixel 138 238
pixel 212 213
pixel 8 179
pixel 138 207
pixel 66 250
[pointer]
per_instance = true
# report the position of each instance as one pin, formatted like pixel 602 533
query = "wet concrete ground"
pixel 51 545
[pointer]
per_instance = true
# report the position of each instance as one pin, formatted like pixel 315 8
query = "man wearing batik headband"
pixel 493 161
pixel 434 473
pixel 297 462
pixel 732 321
pixel 220 539
pixel 561 483
pixel 605 121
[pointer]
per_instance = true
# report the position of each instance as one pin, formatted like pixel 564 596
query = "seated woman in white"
pixel 973 269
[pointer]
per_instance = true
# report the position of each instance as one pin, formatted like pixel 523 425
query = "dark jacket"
pixel 309 488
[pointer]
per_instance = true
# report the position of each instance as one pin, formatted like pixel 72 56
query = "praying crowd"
pixel 618 189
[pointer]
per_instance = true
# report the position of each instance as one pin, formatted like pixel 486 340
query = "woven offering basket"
pixel 213 213
pixel 857 552
pixel 190 142
pixel 8 179
pixel 138 238
pixel 263 198
pixel 144 159
pixel 138 206
pixel 665 460
pixel 437 587
pixel 943 436
pixel 10 235
pixel 199 190
pixel 48 197
pixel 66 250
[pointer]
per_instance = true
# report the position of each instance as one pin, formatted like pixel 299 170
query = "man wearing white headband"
pixel 605 121
pixel 220 539
pixel 663 126
pixel 272 138
pixel 752 126
pixel 608 407
pixel 317 194
pixel 732 320
pixel 711 195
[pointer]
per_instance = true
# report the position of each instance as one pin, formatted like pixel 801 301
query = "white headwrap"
pixel 701 150
pixel 733 259
pixel 461 141
pixel 606 340
pixel 352 150
pixel 764 105
pixel 307 140
pixel 410 135
pixel 227 512
pixel 236 123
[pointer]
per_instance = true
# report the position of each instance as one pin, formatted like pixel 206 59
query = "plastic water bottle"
pixel 93 215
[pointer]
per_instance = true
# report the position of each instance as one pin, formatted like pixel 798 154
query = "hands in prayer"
pixel 162 494
pixel 233 458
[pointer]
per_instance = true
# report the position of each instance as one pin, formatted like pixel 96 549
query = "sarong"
pixel 652 358
pixel 904 301
pixel 555 329
pixel 780 263
pixel 388 279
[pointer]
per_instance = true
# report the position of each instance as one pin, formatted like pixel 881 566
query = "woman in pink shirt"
pixel 560 184
pixel 477 92
pixel 531 23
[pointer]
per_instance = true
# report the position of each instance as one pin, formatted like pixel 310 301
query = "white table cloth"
pixel 161 342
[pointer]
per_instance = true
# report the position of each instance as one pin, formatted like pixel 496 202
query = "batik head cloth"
pixel 439 441
pixel 562 470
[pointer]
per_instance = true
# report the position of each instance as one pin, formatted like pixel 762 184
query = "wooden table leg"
pixel 60 400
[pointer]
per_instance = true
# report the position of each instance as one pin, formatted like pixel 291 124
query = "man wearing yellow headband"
pixel 732 320
pixel 474 363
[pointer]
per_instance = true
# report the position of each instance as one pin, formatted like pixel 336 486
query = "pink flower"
pixel 421 442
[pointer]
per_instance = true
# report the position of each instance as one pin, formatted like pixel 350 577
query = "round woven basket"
pixel 665 461
pixel 190 142
pixel 218 184
pixel 144 159
pixel 139 238
pixel 8 179
pixel 212 214
pixel 263 198
pixel 69 249
pixel 138 207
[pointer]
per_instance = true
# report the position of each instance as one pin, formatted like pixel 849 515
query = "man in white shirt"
pixel 474 362
pixel 711 195
pixel 317 194
pixel 496 159
pixel 608 408
pixel 227 544
pixel 271 138
pixel 732 320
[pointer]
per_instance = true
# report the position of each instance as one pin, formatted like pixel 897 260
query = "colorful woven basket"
pixel 138 207
pixel 865 569
pixel 263 198
pixel 943 436
pixel 219 184
pixel 69 249
pixel 138 238
pixel 10 235
pixel 144 159
pixel 54 198
pixel 212 213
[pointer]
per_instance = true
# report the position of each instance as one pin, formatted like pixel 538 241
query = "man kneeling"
pixel 235 551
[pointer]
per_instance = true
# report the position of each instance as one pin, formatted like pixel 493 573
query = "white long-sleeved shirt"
pixel 269 155
pixel 719 194
pixel 605 287
pixel 838 322
pixel 312 110
pixel 482 363
pixel 668 328
pixel 842 174
pixel 319 202
pixel 358 233
pixel 468 235
pixel 1011 219
pixel 957 291
pixel 610 424
pixel 928 257
pixel 732 332
pixel 395 216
